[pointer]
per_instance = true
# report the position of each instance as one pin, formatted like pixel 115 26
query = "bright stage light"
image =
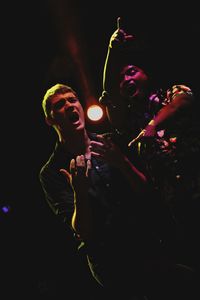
pixel 95 112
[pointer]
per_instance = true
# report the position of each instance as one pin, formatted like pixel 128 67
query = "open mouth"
pixel 129 89
pixel 73 116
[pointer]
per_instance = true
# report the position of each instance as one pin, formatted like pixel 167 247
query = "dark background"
pixel 38 258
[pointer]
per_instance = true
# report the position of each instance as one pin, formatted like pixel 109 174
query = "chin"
pixel 80 127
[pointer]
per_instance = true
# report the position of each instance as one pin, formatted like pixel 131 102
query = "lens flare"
pixel 95 112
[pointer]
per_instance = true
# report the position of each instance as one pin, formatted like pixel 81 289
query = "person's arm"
pixel 79 179
pixel 57 193
pixel 179 98
pixel 116 43
pixel 167 113
pixel 109 71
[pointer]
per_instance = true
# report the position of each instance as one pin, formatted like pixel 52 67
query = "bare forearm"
pixel 82 216
pixel 169 111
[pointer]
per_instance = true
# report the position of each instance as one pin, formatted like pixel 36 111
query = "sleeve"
pixel 110 75
pixel 58 194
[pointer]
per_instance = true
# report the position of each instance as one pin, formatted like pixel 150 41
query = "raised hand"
pixel 119 36
pixel 148 132
pixel 78 177
pixel 106 150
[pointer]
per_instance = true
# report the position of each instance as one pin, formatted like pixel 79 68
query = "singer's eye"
pixel 59 104
pixel 72 99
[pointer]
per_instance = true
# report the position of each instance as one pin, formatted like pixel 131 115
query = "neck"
pixel 76 144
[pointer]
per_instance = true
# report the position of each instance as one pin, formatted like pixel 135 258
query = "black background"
pixel 38 258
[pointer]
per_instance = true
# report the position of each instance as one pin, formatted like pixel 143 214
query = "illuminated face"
pixel 66 112
pixel 133 81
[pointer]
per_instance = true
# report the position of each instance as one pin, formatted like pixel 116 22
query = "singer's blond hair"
pixel 54 90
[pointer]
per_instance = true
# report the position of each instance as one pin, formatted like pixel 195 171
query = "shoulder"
pixel 57 160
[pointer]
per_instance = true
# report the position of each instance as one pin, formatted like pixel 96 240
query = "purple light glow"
pixel 5 209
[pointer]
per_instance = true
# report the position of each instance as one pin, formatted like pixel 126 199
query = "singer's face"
pixel 67 113
pixel 133 81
